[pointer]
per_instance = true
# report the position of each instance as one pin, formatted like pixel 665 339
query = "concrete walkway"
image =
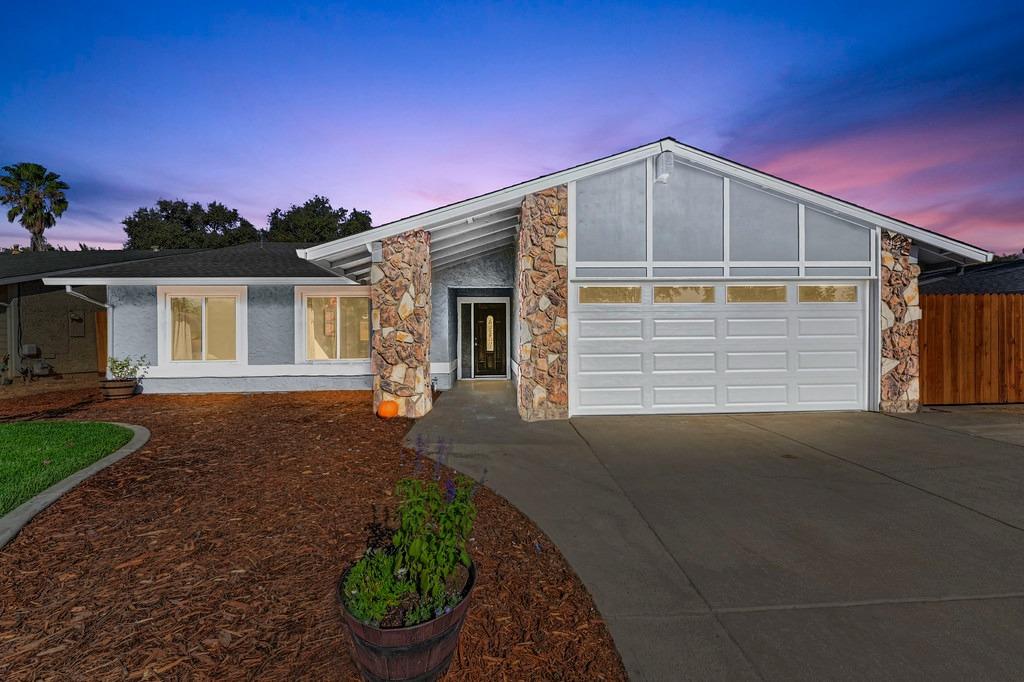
pixel 797 546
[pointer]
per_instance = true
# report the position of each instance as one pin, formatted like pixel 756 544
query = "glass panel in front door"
pixel 489 339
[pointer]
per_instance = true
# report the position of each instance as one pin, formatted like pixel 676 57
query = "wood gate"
pixel 972 349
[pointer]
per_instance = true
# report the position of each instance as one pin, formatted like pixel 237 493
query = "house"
pixel 998 277
pixel 58 330
pixel 663 279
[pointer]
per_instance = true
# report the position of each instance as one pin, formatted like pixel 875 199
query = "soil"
pixel 214 552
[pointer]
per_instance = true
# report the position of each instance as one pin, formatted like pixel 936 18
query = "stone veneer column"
pixel 542 287
pixel 901 313
pixel 400 300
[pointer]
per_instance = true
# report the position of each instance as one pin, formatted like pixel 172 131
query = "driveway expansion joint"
pixel 746 656
pixel 889 476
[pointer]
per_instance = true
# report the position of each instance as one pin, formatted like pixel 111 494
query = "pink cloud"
pixel 961 178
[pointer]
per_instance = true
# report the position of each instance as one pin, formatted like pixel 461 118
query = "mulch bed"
pixel 213 552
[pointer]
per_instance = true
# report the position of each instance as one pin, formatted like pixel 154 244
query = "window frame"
pixel 305 292
pixel 580 288
pixel 850 285
pixel 663 285
pixel 751 285
pixel 165 328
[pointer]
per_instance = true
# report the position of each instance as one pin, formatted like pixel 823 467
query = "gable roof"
pixel 1003 277
pixel 486 223
pixel 26 266
pixel 249 262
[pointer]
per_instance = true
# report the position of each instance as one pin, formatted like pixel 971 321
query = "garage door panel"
pixel 684 396
pixel 747 396
pixel 684 329
pixel 683 363
pixel 809 360
pixel 764 328
pixel 716 357
pixel 621 397
pixel 849 327
pixel 598 363
pixel 838 393
pixel 757 361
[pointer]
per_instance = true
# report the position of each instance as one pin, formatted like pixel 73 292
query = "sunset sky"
pixel 915 110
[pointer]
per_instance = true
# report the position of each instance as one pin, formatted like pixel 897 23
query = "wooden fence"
pixel 972 348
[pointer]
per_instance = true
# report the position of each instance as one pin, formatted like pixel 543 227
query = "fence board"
pixel 972 348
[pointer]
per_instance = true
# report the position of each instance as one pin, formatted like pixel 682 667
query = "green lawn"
pixel 35 455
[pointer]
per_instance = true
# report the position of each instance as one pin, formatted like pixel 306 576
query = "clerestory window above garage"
pixel 652 219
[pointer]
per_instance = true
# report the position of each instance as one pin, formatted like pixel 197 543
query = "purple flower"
pixel 450 490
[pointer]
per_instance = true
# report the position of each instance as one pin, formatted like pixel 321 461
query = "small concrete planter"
pixel 13 521
pixel 117 389
pixel 420 652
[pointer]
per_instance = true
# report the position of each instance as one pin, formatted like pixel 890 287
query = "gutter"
pixel 78 294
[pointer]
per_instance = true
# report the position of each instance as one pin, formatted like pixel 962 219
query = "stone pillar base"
pixel 542 287
pixel 400 299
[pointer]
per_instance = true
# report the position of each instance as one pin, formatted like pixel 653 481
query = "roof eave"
pixel 336 280
pixel 752 176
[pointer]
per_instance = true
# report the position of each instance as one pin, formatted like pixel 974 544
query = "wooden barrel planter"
pixel 419 653
pixel 115 389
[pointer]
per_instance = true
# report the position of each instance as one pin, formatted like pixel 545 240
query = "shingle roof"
pixel 1003 277
pixel 28 265
pixel 267 259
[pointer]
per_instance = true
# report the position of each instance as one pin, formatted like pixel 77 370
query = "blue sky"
pixel 913 109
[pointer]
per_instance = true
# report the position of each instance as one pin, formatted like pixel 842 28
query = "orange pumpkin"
pixel 387 409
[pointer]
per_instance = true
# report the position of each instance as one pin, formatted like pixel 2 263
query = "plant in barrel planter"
pixel 126 373
pixel 405 600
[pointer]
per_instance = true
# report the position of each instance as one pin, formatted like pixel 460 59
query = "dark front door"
pixel 489 340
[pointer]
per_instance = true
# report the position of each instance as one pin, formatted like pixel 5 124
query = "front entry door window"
pixel 489 348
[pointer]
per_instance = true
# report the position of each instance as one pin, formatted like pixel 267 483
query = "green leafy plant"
pixel 432 531
pixel 128 367
pixel 372 588
pixel 416 572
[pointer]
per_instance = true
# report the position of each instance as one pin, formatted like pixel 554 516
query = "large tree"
pixel 36 198
pixel 315 221
pixel 180 225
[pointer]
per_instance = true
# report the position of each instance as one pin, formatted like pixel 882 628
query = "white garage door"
pixel 717 347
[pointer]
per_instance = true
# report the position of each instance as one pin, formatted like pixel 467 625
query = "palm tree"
pixel 35 194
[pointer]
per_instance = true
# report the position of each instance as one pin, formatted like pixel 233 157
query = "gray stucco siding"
pixel 495 271
pixel 271 311
pixel 133 321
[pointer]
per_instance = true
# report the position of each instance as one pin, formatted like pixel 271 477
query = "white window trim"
pixel 183 368
pixel 301 294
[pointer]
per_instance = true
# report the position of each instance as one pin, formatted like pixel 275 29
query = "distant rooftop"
pixel 250 260
pixel 1001 277
pixel 25 266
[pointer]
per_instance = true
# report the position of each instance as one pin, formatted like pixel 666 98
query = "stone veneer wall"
pixel 400 301
pixel 542 277
pixel 901 315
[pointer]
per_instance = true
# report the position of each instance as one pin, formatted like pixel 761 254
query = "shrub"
pixel 416 573
pixel 128 367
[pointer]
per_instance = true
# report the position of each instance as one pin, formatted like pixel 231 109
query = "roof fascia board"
pixel 336 280
pixel 810 196
pixel 481 203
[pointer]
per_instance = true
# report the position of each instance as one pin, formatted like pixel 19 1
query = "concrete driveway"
pixel 840 546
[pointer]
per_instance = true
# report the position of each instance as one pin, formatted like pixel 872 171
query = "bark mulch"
pixel 213 553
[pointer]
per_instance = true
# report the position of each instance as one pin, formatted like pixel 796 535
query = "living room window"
pixel 203 328
pixel 336 326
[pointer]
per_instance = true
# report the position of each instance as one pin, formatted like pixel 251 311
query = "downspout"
pixel 6 331
pixel 110 321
